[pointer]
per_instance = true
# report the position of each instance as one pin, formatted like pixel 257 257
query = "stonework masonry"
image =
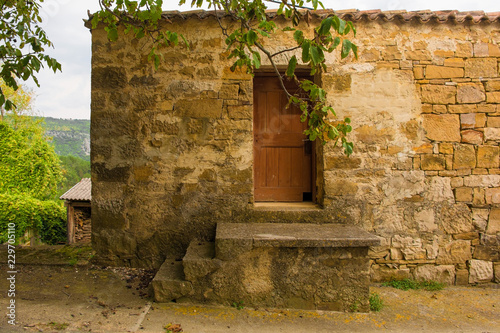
pixel 172 150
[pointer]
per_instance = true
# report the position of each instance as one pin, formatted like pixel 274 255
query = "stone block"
pixel 492 85
pixel 494 122
pixel 480 218
pixel 481 68
pixel 443 273
pixel 419 55
pixel 432 162
pixel 455 218
pixel 488 157
pixel 342 162
pixel 240 111
pixel 464 157
pixel 462 277
pixel 479 197
pixel 462 108
pixel 445 127
pixel 472 137
pixel 418 72
pixel 169 284
pixel 442 72
pixel 482 181
pixel 493 226
pixel 464 49
pixel 454 62
pixel 199 108
pixel 446 148
pixel 492 195
pixel 487 252
pixel 491 133
pixel 463 194
pixel 473 120
pixel 497 272
pixel 229 91
pixel 383 273
pixel 437 94
pixel 456 252
pixel 493 97
pixel 470 93
pixel 480 271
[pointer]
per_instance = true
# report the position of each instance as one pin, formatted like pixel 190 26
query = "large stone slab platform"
pixel 280 265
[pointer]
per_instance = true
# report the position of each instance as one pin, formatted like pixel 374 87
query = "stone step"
pixel 169 283
pixel 199 260
pixel 287 213
pixel 233 239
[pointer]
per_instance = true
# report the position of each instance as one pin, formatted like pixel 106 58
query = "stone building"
pixel 174 151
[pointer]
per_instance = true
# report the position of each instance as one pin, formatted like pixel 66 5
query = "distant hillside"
pixel 71 137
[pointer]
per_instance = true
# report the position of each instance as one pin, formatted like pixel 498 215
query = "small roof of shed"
pixel 80 192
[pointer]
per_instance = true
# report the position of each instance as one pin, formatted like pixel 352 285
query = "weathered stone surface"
pixel 482 181
pixel 199 108
pixel 493 221
pixel 439 189
pixel 442 72
pixel 444 127
pixel 480 271
pixel 169 284
pixel 342 162
pixel 497 272
pixel 229 91
pixel 493 97
pixel 491 133
pixel 473 120
pixel 381 273
pixel 493 121
pixel 433 162
pixel 456 252
pixel 465 157
pixel 470 93
pixel 462 277
pixel 463 194
pixel 488 253
pixel 240 111
pixel 456 219
pixel 443 274
pixel 472 137
pixel 488 157
pixel 492 195
pixel 492 85
pixel 480 218
pixel 435 94
pixel 463 108
pixel 481 67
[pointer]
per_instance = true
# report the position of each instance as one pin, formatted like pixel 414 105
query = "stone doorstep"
pixel 232 239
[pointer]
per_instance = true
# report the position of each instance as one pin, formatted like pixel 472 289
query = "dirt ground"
pixel 85 298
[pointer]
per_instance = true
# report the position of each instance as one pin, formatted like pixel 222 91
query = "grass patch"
pixel 407 284
pixel 376 303
pixel 58 326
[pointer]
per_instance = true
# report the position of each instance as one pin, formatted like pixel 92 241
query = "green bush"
pixel 48 218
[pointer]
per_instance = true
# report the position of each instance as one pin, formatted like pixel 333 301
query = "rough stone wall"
pixel 172 149
pixel 425 173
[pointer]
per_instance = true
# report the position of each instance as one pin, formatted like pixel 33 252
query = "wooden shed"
pixel 77 202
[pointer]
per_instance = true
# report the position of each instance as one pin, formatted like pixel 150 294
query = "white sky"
pixel 67 94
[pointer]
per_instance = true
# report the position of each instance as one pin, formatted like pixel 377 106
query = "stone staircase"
pixel 278 265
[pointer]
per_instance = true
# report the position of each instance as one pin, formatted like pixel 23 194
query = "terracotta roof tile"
pixel 80 192
pixel 420 16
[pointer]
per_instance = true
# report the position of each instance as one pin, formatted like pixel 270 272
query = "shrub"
pixel 407 284
pixel 48 218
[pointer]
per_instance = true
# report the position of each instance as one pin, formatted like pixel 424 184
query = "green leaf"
pixel 112 34
pixel 292 64
pixel 251 37
pixel 346 48
pixel 306 49
pixel 298 36
pixel 315 55
pixel 256 59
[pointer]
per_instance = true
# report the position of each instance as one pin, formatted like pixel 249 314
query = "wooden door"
pixel 282 154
